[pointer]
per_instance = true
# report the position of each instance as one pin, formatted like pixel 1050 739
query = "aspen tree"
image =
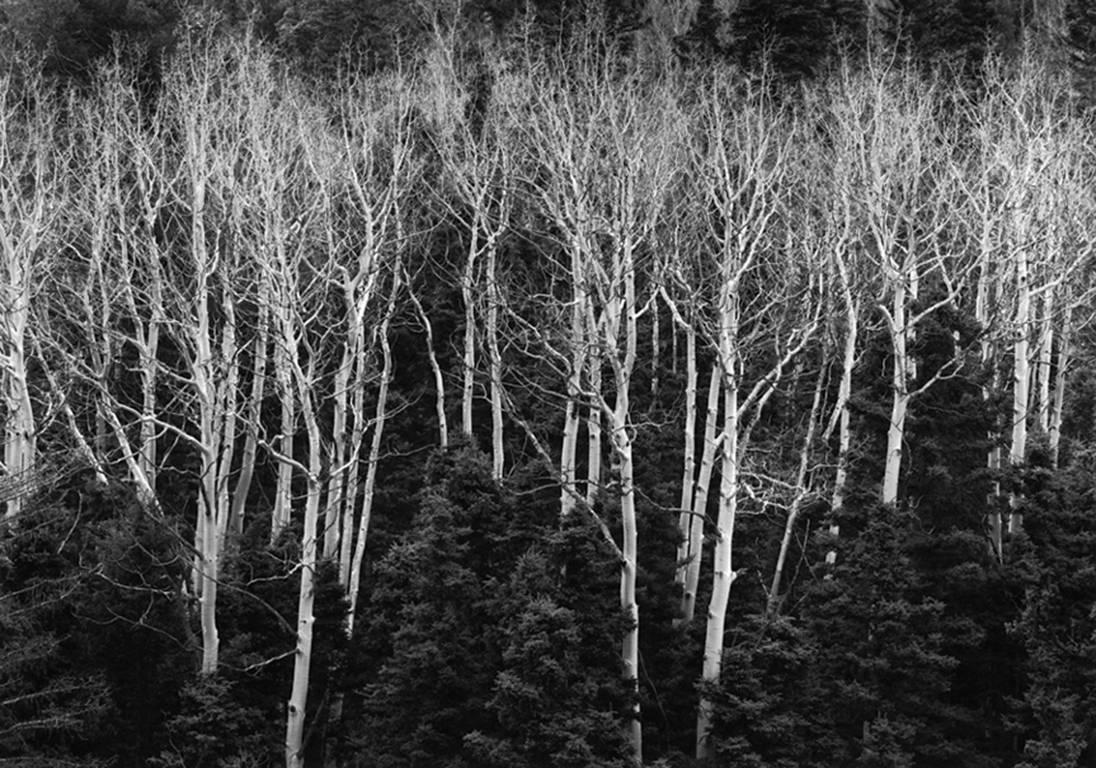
pixel 30 186
pixel 606 150
pixel 696 479
pixel 298 273
pixel 147 145
pixel 741 168
pixel 1028 152
pixel 478 166
pixel 77 333
pixel 381 175
pixel 902 186
pixel 800 493
pixel 985 210
pixel 200 337
pixel 1068 286
pixel 695 532
pixel 685 553
pixel 275 227
pixel 826 176
pixel 112 297
pixel 204 291
pixel 302 353
pixel 1063 360
pixel 435 368
pixel 379 418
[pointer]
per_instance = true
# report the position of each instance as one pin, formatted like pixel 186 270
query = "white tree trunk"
pixel 700 498
pixel 1044 362
pixel 336 484
pixel 494 300
pixel 722 574
pixel 844 417
pixel 773 602
pixel 656 345
pixel 688 477
pixel 302 660
pixel 366 511
pixel 254 416
pixel 26 147
pixel 439 381
pixel 1021 376
pixel 578 344
pixel 900 395
pixel 620 316
pixel 593 434
pixel 283 486
pixel 1061 377
pixel 468 286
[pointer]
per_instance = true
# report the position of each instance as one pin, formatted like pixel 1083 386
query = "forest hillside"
pixel 681 385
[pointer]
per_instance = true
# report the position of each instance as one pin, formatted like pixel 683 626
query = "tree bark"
pixel 900 395
pixel 306 594
pixel 699 514
pixel 801 489
pixel 688 477
pixel 1021 376
pixel 494 299
pixel 1061 377
pixel 439 382
pixel 722 575
pixel 366 511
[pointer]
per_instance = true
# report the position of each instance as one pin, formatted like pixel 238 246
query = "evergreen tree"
pixel 96 644
pixel 558 696
pixel 876 693
pixel 1057 626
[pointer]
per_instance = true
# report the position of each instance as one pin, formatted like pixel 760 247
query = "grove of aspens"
pixel 555 385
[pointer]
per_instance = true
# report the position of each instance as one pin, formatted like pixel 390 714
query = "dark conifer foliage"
pixel 795 38
pixel 489 637
pixel 95 647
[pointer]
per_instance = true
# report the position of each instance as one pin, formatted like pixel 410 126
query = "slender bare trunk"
pixel 145 492
pixel 494 299
pixel 336 484
pixel 226 410
pixel 439 381
pixel 593 432
pixel 844 417
pixel 283 487
pixel 1061 376
pixel 900 396
pixel 722 574
pixel 656 345
pixel 374 453
pixel 254 415
pixel 357 437
pixel 630 647
pixel 621 315
pixel 148 351
pixel 19 429
pixel 688 477
pixel 1021 374
pixel 773 602
pixel 1044 361
pixel 988 358
pixel 574 385
pixel 700 499
pixel 22 224
pixel 302 660
pixel 468 285
pixel 202 370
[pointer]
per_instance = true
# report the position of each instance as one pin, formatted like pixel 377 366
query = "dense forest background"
pixel 478 384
